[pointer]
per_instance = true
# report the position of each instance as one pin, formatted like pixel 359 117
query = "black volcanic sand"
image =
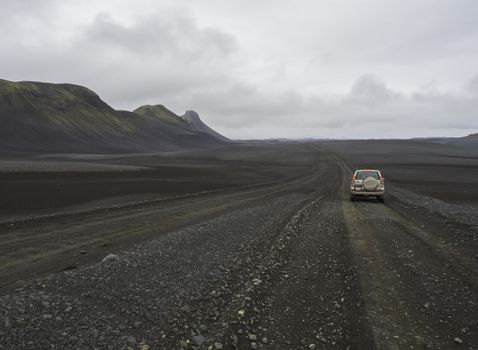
pixel 39 185
pixel 445 172
pixel 270 254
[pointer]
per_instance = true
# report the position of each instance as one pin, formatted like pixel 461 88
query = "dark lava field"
pixel 240 246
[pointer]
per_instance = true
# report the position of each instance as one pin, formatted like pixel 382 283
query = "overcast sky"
pixel 260 69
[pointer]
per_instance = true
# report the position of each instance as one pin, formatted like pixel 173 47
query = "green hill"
pixel 44 117
pixel 161 112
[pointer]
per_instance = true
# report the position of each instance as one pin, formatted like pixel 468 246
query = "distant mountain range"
pixel 65 118
pixel 469 140
pixel 62 118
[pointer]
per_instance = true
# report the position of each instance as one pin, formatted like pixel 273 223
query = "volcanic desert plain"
pixel 221 244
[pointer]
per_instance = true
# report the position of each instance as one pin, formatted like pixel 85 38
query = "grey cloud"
pixel 472 85
pixel 370 89
pixel 415 114
pixel 299 74
pixel 159 34
pixel 17 11
pixel 409 33
pixel 146 61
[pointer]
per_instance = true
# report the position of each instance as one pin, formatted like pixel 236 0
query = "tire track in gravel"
pixel 304 292
pixel 164 292
pixel 171 285
pixel 418 292
pixel 28 220
pixel 464 264
pixel 290 267
pixel 241 313
pixel 53 246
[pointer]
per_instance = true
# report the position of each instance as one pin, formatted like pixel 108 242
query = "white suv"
pixel 367 183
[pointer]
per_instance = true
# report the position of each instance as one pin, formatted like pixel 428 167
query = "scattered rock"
pixel 257 281
pixel 198 340
pixel 312 346
pixel 110 257
pixel 186 308
pixel 458 340
pixel 322 339
pixel 131 340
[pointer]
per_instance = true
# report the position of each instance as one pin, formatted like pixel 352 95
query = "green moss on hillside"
pixel 64 106
pixel 43 117
pixel 161 112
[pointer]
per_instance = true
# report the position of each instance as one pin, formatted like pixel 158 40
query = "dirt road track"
pixel 414 284
pixel 294 265
pixel 52 243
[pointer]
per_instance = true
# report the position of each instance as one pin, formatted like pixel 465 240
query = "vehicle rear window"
pixel 364 174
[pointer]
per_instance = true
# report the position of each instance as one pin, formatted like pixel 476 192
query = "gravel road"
pixel 290 264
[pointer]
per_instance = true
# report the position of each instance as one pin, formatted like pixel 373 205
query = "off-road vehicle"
pixel 367 183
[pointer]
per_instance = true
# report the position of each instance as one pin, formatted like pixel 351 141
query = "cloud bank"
pixel 260 70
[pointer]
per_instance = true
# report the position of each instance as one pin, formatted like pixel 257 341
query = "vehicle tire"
pixel 352 198
pixel 381 199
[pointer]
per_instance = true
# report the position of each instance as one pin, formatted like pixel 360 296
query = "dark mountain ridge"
pixel 469 140
pixel 63 118
pixel 195 123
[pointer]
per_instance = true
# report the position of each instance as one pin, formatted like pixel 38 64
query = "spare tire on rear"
pixel 370 184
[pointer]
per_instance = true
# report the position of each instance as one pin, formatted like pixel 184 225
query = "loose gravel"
pixel 160 294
